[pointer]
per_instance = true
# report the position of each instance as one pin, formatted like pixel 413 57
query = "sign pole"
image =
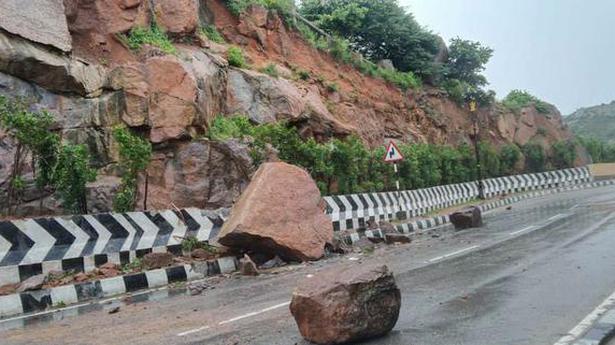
pixel 393 155
pixel 397 185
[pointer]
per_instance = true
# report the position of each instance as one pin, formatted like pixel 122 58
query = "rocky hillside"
pixel 72 58
pixel 594 122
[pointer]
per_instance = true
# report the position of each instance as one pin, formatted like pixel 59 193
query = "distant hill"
pixel 597 122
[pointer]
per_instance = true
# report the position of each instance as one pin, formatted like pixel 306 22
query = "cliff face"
pixel 76 66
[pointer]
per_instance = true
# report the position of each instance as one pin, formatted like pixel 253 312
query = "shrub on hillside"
pixel 519 99
pixel 235 57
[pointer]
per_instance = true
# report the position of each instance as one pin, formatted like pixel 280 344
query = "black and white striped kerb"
pixel 352 211
pixel 32 301
pixel 420 225
pixel 34 241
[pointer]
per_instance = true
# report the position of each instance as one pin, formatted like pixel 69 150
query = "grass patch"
pixel 154 36
pixel 211 33
pixel 333 87
pixel 270 70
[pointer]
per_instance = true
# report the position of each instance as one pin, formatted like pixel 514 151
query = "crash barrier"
pixel 82 242
pixel 429 223
pixel 352 212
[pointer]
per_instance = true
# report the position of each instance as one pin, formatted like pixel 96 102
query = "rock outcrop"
pixel 40 21
pixel 346 304
pixel 280 212
pixel 70 57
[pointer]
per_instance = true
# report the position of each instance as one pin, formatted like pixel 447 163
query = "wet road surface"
pixel 528 277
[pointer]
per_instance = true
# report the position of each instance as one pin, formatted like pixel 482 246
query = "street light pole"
pixel 475 139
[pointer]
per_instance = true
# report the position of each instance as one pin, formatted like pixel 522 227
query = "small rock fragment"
pixel 157 260
pixel 247 267
pixel 396 238
pixel 275 262
pixel 33 283
pixel 201 254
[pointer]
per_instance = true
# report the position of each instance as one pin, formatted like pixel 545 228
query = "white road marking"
pixel 453 254
pixel 255 313
pixel 555 217
pixel 587 322
pixel 531 227
pixel 196 330
pixel 241 317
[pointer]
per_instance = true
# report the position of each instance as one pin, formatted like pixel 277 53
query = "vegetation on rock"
pixel 71 174
pixel 235 57
pixel 270 70
pixel 211 33
pixel 284 7
pixel 153 35
pixel 519 99
pixel 347 166
pixel 135 154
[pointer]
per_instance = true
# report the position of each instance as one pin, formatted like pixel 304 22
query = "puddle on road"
pixel 23 321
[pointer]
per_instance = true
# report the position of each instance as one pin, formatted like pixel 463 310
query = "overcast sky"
pixel 562 51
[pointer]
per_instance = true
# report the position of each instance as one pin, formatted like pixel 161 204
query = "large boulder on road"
pixel 470 217
pixel 280 213
pixel 346 304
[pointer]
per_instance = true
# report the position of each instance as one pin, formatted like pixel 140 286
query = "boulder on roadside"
pixel 280 213
pixel 346 304
pixel 470 217
pixel 157 260
pixel 33 283
pixel 247 267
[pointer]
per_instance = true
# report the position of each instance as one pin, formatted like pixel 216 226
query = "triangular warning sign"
pixel 393 154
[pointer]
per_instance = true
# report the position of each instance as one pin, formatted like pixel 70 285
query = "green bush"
pixel 535 157
pixel 70 176
pixel 509 157
pixel 564 154
pixel 153 36
pixel 519 99
pixel 135 154
pixel 211 33
pixel 270 70
pixel 284 7
pixel 235 57
pixel 229 127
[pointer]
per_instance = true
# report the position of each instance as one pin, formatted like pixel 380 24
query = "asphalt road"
pixel 528 277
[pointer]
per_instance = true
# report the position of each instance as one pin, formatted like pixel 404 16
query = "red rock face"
pixel 180 17
pixel 346 304
pixel 280 212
